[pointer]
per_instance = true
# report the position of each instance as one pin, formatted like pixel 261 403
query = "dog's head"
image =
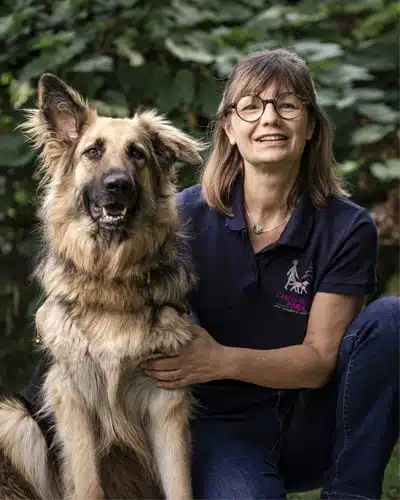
pixel 105 178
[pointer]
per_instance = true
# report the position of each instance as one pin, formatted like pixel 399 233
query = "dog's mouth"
pixel 112 201
pixel 111 214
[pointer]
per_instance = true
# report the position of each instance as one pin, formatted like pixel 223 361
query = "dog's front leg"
pixel 75 433
pixel 169 435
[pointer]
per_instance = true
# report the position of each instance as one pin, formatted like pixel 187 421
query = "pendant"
pixel 258 229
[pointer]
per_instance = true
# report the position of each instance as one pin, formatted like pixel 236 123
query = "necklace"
pixel 259 228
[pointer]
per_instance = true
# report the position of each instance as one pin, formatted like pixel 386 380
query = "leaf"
pixel 386 171
pixel 62 11
pixel 186 52
pixel 124 50
pixel 327 96
pixel 378 112
pixel 345 102
pixel 351 72
pixel 230 11
pixel 313 50
pixel 184 83
pixel 271 18
pixel 6 24
pixel 367 94
pixel 176 93
pixel 189 15
pixel 365 5
pixel 348 167
pixel 49 61
pixel 371 133
pixel 343 74
pixel 209 95
pixel 99 63
pixel 14 151
pixel 49 39
pixel 112 103
pixel 226 62
pixel 393 166
pixel 376 23
pixel 377 54
pixel 21 196
pixel 20 92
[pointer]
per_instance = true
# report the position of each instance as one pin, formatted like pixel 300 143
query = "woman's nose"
pixel 269 115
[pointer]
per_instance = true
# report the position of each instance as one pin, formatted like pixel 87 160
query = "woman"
pixel 297 387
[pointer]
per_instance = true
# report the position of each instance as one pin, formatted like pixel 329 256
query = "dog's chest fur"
pixel 100 352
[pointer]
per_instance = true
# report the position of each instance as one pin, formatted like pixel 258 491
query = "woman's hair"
pixel 252 75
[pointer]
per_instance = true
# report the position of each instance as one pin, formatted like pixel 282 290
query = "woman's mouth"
pixel 271 138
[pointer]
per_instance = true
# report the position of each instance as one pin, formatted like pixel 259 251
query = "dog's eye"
pixel 134 152
pixel 92 153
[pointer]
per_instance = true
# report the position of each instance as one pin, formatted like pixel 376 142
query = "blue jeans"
pixel 339 438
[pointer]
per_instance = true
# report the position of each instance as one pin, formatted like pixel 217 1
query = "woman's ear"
pixel 227 126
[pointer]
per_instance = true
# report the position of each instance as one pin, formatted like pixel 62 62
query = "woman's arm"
pixel 309 364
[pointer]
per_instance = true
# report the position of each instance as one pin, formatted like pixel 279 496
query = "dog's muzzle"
pixel 111 201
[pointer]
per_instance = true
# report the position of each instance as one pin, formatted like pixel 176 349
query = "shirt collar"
pixel 297 230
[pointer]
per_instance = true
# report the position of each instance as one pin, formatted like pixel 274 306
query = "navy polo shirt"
pixel 262 300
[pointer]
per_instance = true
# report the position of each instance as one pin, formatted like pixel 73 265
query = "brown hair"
pixel 252 74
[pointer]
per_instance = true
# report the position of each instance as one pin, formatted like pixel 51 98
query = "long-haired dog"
pixel 115 277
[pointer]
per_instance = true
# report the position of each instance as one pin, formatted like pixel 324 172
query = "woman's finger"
pixel 161 364
pixel 177 384
pixel 168 376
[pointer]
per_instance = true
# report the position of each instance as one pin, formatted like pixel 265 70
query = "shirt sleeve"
pixel 352 267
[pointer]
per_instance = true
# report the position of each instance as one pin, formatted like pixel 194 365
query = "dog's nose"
pixel 117 182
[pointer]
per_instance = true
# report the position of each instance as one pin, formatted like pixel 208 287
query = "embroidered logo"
pixel 295 297
pixel 296 284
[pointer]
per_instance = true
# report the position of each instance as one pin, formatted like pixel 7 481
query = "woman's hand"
pixel 199 361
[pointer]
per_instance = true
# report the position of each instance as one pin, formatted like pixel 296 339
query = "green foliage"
pixel 175 55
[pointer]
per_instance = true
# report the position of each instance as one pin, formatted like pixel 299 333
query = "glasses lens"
pixel 288 106
pixel 249 108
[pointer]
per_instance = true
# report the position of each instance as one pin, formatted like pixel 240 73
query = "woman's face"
pixel 271 140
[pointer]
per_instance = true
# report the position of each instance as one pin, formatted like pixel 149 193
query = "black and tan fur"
pixel 115 278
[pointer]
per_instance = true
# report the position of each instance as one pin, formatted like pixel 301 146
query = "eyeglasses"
pixel 288 106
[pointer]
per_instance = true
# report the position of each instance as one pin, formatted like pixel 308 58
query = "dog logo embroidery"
pixel 295 296
pixel 296 284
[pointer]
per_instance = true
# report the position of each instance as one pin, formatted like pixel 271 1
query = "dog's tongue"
pixel 114 209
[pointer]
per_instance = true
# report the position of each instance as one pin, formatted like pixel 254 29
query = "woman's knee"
pixel 386 310
pixel 380 319
pixel 372 338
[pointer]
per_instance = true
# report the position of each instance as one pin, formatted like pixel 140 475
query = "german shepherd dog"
pixel 115 277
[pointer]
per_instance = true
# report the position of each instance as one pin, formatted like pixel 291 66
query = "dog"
pixel 115 275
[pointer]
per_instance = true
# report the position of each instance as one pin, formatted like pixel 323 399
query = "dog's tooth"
pixel 105 213
pixel 123 213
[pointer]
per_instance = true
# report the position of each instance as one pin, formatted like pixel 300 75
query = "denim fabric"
pixel 232 462
pixel 339 437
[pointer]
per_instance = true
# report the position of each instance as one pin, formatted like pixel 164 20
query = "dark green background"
pixel 175 56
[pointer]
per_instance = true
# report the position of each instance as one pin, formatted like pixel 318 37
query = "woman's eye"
pixel 287 105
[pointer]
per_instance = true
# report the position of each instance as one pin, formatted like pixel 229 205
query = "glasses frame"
pixel 303 101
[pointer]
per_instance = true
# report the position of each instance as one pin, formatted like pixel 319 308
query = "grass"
pixel 391 483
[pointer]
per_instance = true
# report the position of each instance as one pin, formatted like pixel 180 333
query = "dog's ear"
pixel 174 145
pixel 64 110
pixel 60 116
pixel 170 143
